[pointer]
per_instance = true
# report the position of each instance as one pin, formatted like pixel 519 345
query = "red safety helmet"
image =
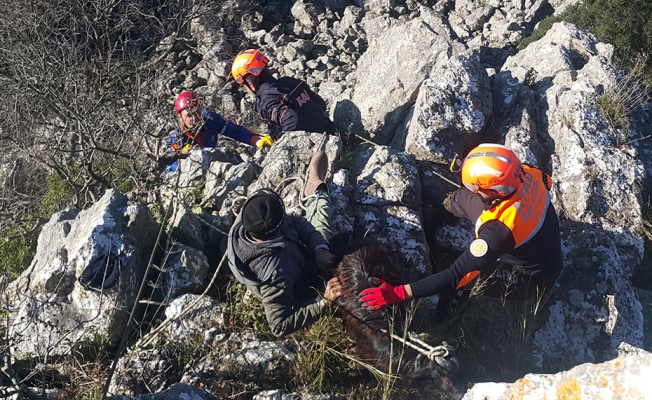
pixel 186 100
pixel 492 167
pixel 248 62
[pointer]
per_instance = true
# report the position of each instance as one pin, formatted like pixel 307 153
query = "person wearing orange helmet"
pixel 285 104
pixel 515 223
pixel 200 127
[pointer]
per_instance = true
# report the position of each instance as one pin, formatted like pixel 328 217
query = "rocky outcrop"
pixel 83 280
pixel 621 378
pixel 597 191
pixel 452 107
pixel 285 168
pixel 398 59
pixel 387 207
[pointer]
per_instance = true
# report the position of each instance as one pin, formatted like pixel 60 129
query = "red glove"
pixel 382 296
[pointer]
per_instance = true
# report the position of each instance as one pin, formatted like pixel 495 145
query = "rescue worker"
pixel 282 258
pixel 200 127
pixel 514 222
pixel 285 104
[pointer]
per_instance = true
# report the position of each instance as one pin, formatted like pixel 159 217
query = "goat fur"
pixel 355 272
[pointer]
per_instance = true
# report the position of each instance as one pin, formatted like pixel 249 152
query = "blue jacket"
pixel 214 125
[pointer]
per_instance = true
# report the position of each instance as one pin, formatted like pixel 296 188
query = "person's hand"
pixel 333 290
pixel 447 203
pixel 264 141
pixel 386 294
pixel 324 258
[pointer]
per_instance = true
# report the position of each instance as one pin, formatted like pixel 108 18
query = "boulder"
pixel 387 205
pixel 397 60
pixel 285 167
pixel 185 271
pixel 454 104
pixel 98 259
pixel 621 378
pixel 193 315
pixel 144 371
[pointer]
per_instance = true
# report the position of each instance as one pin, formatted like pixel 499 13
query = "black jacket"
pixel 288 104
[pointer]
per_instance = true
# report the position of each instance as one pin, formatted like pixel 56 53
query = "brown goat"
pixel 369 328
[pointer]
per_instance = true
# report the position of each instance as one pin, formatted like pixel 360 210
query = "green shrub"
pixel 17 253
pixel 243 311
pixel 60 195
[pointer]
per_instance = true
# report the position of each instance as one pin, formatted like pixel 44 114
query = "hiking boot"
pixel 316 173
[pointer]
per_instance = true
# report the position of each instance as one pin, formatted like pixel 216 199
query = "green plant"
pixel 630 93
pixel 346 160
pixel 318 362
pixel 60 195
pixel 16 252
pixel 243 311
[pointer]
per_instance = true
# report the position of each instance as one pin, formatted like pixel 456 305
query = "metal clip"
pixel 456 164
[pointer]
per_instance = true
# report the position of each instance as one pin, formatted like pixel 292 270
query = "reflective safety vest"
pixel 525 211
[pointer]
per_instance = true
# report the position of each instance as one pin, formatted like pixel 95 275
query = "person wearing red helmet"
pixel 200 127
pixel 517 246
pixel 285 104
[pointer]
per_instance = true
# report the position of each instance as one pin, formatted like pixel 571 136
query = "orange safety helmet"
pixel 248 62
pixel 492 167
pixel 186 100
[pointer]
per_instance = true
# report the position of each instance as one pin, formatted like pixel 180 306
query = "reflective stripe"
pixel 524 212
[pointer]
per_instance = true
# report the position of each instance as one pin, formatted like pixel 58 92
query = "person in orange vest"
pixel 285 104
pixel 200 127
pixel 517 246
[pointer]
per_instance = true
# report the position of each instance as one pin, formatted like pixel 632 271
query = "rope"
pixel 422 347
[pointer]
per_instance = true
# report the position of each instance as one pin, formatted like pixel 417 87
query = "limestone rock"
pixel 184 272
pixel 621 378
pixel 205 313
pixel 453 106
pixel 107 247
pixel 395 64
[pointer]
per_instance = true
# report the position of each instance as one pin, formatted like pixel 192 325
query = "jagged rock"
pixel 398 59
pixel 107 247
pixel 387 204
pixel 205 313
pixel 281 395
pixel 453 106
pixel 225 184
pixel 516 109
pixel 645 297
pixel 340 190
pixel 597 190
pixel 621 378
pixel 184 272
pixel 179 391
pixel 185 227
pixel 566 50
pixel 243 353
pixel 285 167
pixel 143 372
pixel 561 5
pixel 307 13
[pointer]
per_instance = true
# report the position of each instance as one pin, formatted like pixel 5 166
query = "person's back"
pixel 285 104
pixel 290 105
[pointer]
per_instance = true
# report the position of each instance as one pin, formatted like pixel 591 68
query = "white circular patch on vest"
pixel 479 247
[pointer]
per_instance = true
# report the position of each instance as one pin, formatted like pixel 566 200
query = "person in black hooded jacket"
pixel 285 104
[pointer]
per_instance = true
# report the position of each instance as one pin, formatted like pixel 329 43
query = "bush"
pixel 16 253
